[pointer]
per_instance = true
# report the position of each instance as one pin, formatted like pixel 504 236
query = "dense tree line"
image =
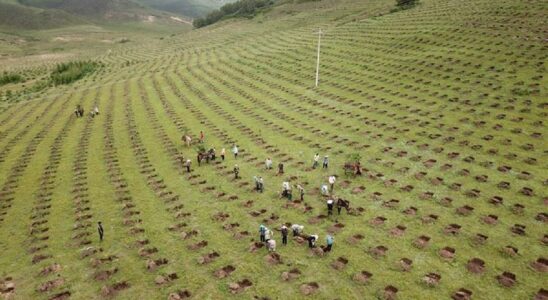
pixel 241 8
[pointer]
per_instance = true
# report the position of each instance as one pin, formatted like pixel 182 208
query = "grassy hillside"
pixel 445 103
pixel 190 8
pixel 21 17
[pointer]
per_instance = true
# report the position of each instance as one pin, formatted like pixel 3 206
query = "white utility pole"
pixel 318 59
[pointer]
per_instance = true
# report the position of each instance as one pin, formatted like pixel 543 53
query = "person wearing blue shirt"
pixel 262 233
pixel 329 241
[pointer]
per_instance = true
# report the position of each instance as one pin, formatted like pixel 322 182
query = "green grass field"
pixel 445 103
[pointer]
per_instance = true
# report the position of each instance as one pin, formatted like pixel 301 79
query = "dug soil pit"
pixel 273 258
pixel 198 245
pixel 335 228
pixel 362 277
pixel 398 230
pixel 476 265
pixel 111 290
pixel 154 264
pixel 7 288
pixel 253 247
pixel 378 252
pixel 462 294
pixel 207 258
pixel 309 288
pixel 490 219
pixel 479 239
pixel 356 238
pixel 507 279
pixel 50 285
pixel 240 286
pixel 224 271
pixel 179 295
pixel 390 293
pixel 291 274
pixel 447 253
pixel 317 219
pixel 50 269
pixel 405 264
pixel 163 279
pixel 105 274
pixel 542 294
pixel 377 221
pixel 358 190
pixel 61 296
pixel 540 265
pixel 422 242
pixel 339 263
pixel 431 279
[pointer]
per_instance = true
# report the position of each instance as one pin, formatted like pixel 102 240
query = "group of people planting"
pixel 265 234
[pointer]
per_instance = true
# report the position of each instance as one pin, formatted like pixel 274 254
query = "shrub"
pixel 10 78
pixel 404 4
pixel 241 8
pixel 66 73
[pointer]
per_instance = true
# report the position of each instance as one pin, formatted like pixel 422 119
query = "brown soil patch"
pixel 431 279
pixel 207 258
pixel 50 285
pixel 273 258
pixel 462 294
pixel 447 252
pixel 356 238
pixel 105 274
pixel 163 279
pixel 422 242
pixel 339 263
pixel 335 228
pixel 390 293
pixel 255 246
pixel 154 264
pixel 405 264
pixel 490 219
pixel 197 246
pixel 377 221
pixel 398 230
pixel 476 265
pixel 291 274
pixel 7 288
pixel 224 271
pixel 309 288
pixel 507 279
pixel 61 296
pixel 378 252
pixel 240 286
pixel 540 265
pixel 358 190
pixel 179 295
pixel 50 269
pixel 362 277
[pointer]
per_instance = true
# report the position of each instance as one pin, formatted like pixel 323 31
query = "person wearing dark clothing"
pixel 187 165
pixel 280 168
pixel 325 164
pixel 301 191
pixel 262 233
pixel 330 207
pixel 285 231
pixel 312 241
pixel 236 172
pixel 100 230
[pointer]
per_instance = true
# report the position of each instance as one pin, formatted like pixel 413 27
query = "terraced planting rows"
pixel 445 103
